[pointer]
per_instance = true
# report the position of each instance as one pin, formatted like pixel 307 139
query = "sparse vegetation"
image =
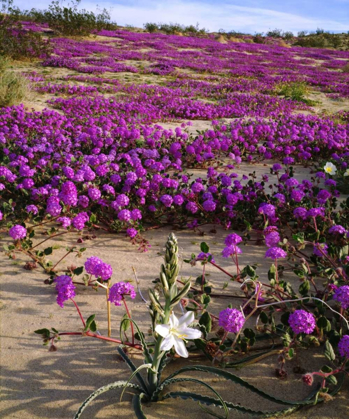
pixel 174 28
pixel 295 91
pixel 70 21
pixel 321 39
pixel 15 42
pixel 13 86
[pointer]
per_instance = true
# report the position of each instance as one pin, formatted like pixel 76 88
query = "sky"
pixel 248 16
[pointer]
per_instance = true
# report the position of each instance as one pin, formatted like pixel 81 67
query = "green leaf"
pixel 146 353
pixel 304 288
pixel 249 333
pixel 133 368
pixel 101 390
pixel 78 271
pixel 215 402
pixel 205 299
pixel 48 251
pixel 93 326
pixel 141 367
pixel 206 321
pixel 125 322
pixel 204 247
pixel 208 290
pixel 93 218
pixel 137 406
pixel 44 332
pixel 284 318
pixel 194 380
pixel 264 317
pixel 235 379
pixel 291 353
pixel 250 271
pixel 326 369
pixel 329 352
pixel 88 322
pixel 324 324
pixel 332 380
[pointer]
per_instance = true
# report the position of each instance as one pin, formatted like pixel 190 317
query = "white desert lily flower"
pixel 176 332
pixel 330 168
pixel 346 173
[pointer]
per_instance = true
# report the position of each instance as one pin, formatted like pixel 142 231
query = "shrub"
pixel 288 35
pixel 15 42
pixel 13 86
pixel 151 27
pixel 70 21
pixel 294 91
pixel 276 33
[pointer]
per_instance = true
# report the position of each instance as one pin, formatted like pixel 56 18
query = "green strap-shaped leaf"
pixel 215 402
pixel 133 368
pixel 163 362
pixel 221 402
pixel 137 406
pixel 235 379
pixel 148 358
pixel 101 390
pixel 142 367
pixel 248 360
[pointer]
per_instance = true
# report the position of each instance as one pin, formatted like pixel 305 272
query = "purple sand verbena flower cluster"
pixel 65 289
pixel 343 346
pixel 95 266
pixel 18 232
pixel 301 321
pixel 342 296
pixel 231 319
pixel 119 290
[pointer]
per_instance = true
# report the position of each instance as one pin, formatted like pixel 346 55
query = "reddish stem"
pixel 79 312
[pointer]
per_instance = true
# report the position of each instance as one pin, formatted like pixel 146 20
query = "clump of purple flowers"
pixel 204 257
pixel 342 296
pixel 17 232
pixel 95 266
pixel 343 346
pixel 301 321
pixel 231 319
pixel 118 290
pixel 103 271
pixel 320 249
pixel 65 289
pixel 275 253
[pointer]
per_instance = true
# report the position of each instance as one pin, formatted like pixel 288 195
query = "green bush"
pixel 173 28
pixel 295 91
pixel 151 27
pixel 70 21
pixel 15 42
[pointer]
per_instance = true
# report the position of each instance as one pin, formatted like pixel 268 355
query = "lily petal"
pixel 162 329
pixel 180 348
pixel 186 319
pixel 190 333
pixel 167 343
pixel 173 321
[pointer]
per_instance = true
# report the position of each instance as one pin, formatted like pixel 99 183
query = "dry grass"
pixel 345 69
pixel 14 88
pixel 282 43
pixel 221 39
